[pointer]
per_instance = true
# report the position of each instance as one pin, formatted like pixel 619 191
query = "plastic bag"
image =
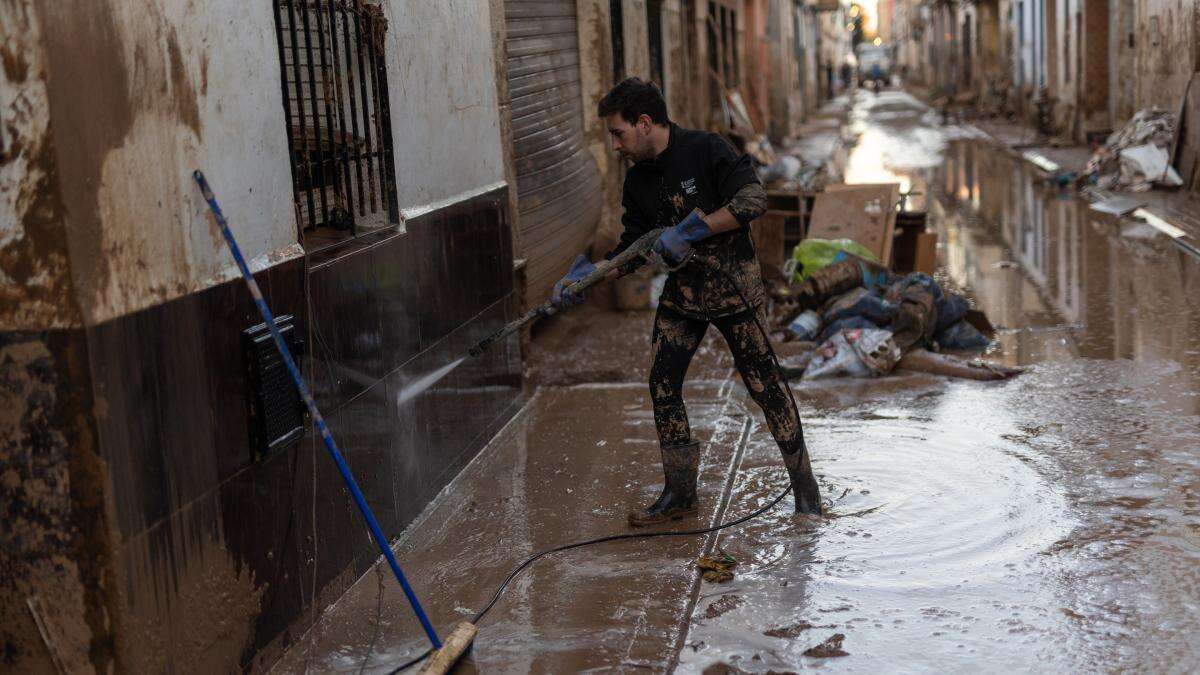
pixel 854 353
pixel 814 254
pixel 844 323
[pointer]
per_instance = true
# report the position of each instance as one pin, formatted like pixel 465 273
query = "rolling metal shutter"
pixel 559 194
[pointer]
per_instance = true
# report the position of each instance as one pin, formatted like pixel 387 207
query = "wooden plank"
pixel 863 213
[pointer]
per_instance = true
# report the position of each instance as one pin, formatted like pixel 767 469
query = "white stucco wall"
pixel 442 86
pixel 140 95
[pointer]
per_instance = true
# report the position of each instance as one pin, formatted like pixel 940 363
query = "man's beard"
pixel 645 153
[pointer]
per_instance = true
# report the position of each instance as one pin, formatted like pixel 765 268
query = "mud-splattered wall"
pixel 141 531
pixel 637 39
pixel 990 68
pixel 674 44
pixel 139 95
pixel 57 595
pixel 782 82
pixel 1068 22
pixel 35 281
pixel 596 78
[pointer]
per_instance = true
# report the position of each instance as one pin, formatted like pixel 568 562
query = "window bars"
pixel 335 98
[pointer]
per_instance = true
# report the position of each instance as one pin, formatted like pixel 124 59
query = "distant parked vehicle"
pixel 874 65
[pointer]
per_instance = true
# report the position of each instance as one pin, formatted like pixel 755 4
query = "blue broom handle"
pixel 318 420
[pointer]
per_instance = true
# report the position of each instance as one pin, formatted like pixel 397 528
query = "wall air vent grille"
pixel 275 409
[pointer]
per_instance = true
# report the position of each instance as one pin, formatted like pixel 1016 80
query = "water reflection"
pixel 1079 283
pixel 1045 523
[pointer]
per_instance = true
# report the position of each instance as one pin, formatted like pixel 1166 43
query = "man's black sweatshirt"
pixel 697 170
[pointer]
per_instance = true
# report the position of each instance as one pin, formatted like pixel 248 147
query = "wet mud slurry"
pixel 1049 522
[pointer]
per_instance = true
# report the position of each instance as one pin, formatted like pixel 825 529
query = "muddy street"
pixel 738 336
pixel 1049 522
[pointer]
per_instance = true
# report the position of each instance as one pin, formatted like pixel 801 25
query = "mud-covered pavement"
pixel 1050 522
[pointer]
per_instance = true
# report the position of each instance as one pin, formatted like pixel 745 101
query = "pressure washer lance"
pixel 641 247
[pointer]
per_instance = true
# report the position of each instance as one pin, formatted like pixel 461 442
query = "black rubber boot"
pixel 678 499
pixel 804 484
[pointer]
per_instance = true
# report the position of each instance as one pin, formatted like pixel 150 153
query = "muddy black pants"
pixel 676 338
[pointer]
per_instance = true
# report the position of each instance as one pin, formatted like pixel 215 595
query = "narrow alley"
pixel 554 336
pixel 1047 522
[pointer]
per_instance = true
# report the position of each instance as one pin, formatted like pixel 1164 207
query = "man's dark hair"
pixel 633 98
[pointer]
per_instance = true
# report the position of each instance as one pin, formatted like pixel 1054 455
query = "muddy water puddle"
pixel 931 554
pixel 1047 523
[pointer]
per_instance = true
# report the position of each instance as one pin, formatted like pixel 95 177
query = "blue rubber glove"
pixel 579 269
pixel 675 243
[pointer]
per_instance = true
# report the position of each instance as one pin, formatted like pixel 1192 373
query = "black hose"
pixel 413 662
pixel 620 537
pixel 766 338
pixel 599 540
pixel 642 535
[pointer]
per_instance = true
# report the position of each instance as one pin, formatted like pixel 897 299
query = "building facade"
pixel 164 507
pixel 1076 68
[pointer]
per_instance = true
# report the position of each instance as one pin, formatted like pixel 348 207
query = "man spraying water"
pixel 678 176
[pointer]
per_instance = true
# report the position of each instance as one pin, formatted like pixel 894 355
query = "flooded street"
pixel 312 361
pixel 1049 522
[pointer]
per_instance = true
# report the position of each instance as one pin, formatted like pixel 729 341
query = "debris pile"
pixel 791 171
pixel 787 170
pixel 1137 156
pixel 855 318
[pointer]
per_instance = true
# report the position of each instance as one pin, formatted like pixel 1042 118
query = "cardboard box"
pixel 863 213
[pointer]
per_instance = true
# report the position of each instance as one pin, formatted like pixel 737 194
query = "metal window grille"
pixel 335 98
